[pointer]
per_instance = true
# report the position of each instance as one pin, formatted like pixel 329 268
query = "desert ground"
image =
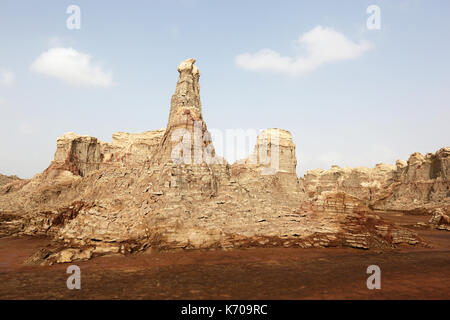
pixel 258 273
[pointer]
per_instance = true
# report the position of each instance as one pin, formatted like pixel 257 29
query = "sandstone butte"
pixel 129 195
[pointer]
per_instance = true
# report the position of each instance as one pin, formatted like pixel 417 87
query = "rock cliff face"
pixel 364 183
pixel 78 154
pixel 422 182
pixel 274 153
pixel 168 189
pixel 272 165
pixel 82 155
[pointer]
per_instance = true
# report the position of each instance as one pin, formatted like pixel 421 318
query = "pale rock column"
pixel 186 138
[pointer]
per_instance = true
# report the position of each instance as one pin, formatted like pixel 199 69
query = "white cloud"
pixel 320 46
pixel 73 67
pixel 6 78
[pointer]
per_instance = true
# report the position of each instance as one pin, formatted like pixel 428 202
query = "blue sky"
pixel 378 105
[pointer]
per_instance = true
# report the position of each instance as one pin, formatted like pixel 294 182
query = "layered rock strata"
pixel 419 184
pixel 424 181
pixel 168 189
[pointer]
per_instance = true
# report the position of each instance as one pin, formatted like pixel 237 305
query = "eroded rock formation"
pixel 423 182
pixel 440 219
pixel 168 189
pixel 419 184
pixel 364 183
pixel 82 155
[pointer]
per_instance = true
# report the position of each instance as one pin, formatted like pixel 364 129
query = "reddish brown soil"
pixel 280 273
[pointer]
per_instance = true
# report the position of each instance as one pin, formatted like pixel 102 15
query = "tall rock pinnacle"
pixel 186 99
pixel 186 135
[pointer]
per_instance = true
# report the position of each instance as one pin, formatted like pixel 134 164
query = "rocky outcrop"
pixel 77 157
pixel 82 155
pixel 419 184
pixel 186 139
pixel 365 183
pixel 7 179
pixel 440 219
pixel 274 153
pixel 271 167
pixel 424 181
pixel 78 154
pixel 186 98
pixel 133 148
pixel 185 160
pixel 168 189
pixel 362 228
